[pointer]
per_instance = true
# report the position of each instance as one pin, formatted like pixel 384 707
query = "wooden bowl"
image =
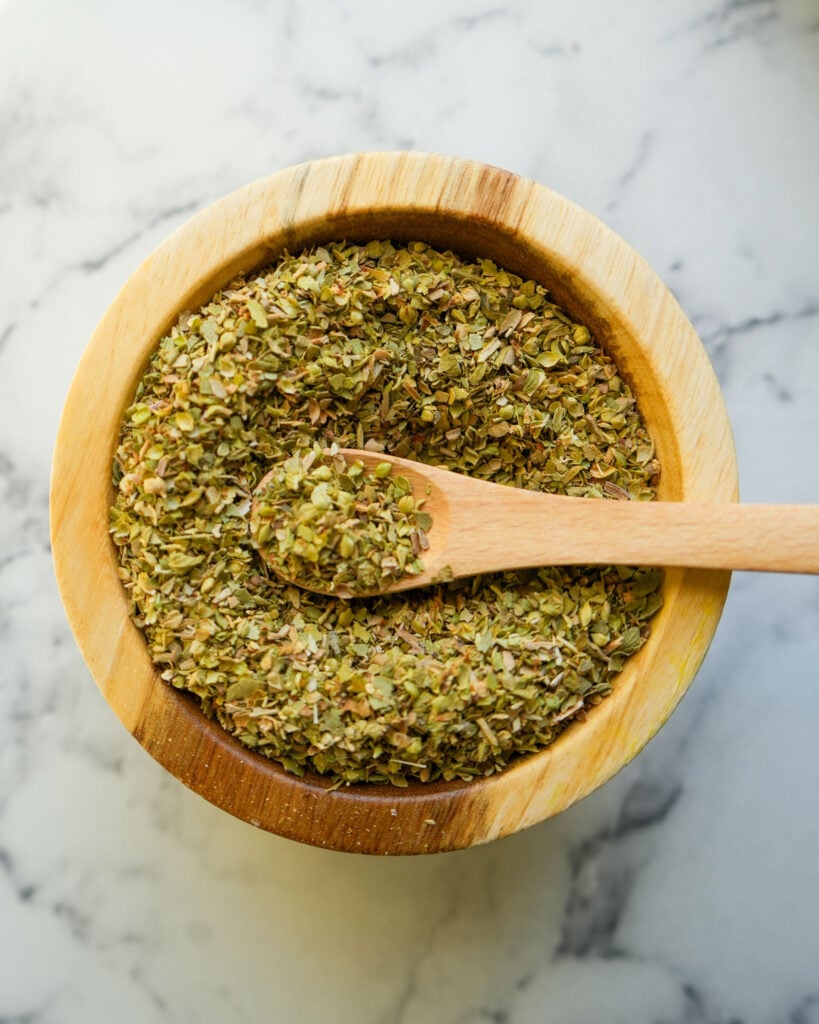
pixel 475 210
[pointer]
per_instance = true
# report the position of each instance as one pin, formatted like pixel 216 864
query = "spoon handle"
pixel 527 529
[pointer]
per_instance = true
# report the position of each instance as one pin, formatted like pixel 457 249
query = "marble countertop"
pixel 686 891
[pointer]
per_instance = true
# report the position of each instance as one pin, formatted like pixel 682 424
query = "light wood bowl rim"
pixel 526 227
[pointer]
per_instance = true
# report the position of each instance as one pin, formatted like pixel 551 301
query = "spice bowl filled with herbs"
pixel 422 307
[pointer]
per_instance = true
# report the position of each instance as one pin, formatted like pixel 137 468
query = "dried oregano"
pixel 337 527
pixel 420 354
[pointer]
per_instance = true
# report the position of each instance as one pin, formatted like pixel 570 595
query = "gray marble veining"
pixel 683 892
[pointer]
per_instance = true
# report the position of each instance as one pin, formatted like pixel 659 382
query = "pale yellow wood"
pixel 476 210
pixel 480 527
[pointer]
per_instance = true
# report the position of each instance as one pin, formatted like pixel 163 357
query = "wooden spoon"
pixel 480 527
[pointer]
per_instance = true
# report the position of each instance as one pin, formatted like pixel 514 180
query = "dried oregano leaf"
pixel 416 353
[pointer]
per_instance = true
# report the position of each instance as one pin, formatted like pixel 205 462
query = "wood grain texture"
pixel 475 210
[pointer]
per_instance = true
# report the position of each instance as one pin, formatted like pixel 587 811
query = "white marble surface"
pixel 684 892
